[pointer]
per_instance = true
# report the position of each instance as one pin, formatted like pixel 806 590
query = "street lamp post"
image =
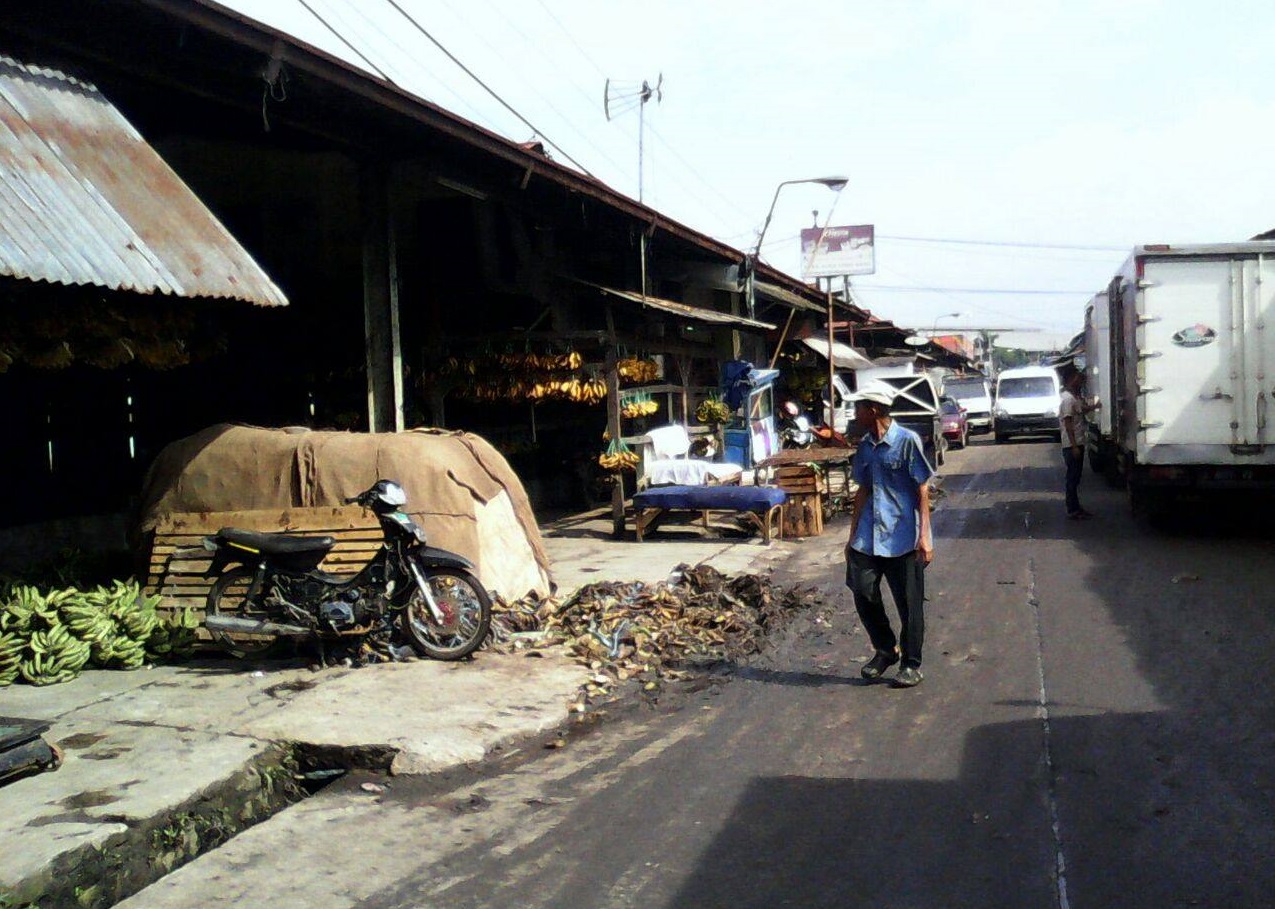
pixel 947 315
pixel 836 184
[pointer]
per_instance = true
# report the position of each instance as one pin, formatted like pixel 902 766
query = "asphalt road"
pixel 1095 730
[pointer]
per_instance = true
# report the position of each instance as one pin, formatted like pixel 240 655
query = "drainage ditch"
pixel 97 877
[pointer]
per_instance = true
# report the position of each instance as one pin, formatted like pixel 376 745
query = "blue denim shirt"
pixel 893 469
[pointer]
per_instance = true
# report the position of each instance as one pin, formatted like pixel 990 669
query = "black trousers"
pixel 1075 467
pixel 905 576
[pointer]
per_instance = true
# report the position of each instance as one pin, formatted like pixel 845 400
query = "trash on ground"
pixel 647 632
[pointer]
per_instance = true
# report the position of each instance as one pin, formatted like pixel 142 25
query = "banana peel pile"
pixel 52 636
pixel 652 632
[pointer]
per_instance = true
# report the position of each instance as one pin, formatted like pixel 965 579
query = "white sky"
pixel 1032 127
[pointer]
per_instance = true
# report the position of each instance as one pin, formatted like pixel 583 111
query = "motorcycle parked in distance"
pixel 269 586
pixel 795 428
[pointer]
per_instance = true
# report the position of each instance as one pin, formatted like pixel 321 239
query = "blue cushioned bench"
pixel 759 503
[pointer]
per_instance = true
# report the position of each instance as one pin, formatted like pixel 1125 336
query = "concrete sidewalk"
pixel 163 763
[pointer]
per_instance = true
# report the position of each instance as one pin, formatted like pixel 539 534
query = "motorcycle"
pixel 269 587
pixel 795 428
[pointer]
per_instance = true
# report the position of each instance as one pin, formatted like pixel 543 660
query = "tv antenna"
pixel 621 97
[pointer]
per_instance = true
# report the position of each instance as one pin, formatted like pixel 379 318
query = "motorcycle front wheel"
pixel 229 596
pixel 466 612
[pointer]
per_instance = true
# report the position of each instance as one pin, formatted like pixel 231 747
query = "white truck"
pixel 1181 361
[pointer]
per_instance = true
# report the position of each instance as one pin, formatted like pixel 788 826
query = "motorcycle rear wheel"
pixel 468 616
pixel 229 596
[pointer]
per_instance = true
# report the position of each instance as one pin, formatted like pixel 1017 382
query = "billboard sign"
pixel 829 252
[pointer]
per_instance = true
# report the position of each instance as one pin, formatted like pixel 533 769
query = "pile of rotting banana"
pixel 652 632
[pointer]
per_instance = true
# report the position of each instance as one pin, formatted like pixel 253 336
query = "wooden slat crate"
pixel 178 578
pixel 802 514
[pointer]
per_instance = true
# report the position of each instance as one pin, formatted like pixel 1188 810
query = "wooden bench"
pixel 760 504
pixel 176 567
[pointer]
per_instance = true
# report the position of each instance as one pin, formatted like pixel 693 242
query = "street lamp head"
pixel 836 184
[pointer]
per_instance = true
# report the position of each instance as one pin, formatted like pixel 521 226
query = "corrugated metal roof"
pixel 85 200
pixel 783 295
pixel 843 355
pixel 687 311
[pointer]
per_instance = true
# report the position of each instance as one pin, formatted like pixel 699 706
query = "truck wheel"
pixel 1000 438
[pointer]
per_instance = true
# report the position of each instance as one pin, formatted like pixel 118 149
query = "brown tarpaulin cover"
pixel 449 477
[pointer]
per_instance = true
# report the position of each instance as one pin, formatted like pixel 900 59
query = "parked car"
pixel 956 427
pixel 974 393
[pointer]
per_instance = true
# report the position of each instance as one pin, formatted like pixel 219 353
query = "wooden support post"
pixel 783 336
pixel 684 373
pixel 614 425
pixel 384 354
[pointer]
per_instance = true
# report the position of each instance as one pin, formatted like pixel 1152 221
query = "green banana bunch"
pixel 52 656
pixel 175 637
pixel 11 647
pixel 19 609
pixel 50 637
pixel 128 654
pixel 87 621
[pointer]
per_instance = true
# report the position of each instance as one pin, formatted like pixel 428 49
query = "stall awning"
pixel 697 313
pixel 85 200
pixel 787 297
pixel 843 355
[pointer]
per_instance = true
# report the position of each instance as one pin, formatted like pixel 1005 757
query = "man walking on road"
pixel 889 535
pixel 1074 432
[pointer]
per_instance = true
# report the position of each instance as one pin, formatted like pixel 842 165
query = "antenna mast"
pixel 621 97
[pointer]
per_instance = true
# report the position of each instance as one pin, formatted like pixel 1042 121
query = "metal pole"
pixel 641 134
pixel 831 366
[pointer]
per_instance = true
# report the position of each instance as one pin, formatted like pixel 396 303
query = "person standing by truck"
pixel 1074 433
pixel 890 535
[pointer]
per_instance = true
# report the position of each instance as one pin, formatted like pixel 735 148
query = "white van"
pixel 1027 400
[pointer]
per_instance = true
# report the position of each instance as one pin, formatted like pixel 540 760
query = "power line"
pixel 414 57
pixel 503 103
pixel 972 290
pixel 372 66
pixel 960 242
pixel 532 84
pixel 1003 243
pixel 966 302
pixel 654 132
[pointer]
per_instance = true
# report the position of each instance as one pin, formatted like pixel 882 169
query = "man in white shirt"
pixel 1071 423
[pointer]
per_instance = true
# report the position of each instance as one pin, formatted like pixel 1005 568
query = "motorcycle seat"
pixel 274 543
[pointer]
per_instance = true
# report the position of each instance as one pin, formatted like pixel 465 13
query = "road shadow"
pixel 983 840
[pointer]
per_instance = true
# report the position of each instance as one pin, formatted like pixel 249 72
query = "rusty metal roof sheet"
pixel 687 311
pixel 85 200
